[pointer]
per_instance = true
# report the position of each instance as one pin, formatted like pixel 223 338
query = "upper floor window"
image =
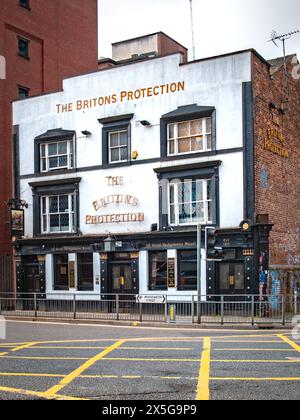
pixel 23 92
pixel 58 213
pixel 116 140
pixel 23 47
pixel 56 155
pixel 118 146
pixel 191 202
pixel 25 3
pixel 190 136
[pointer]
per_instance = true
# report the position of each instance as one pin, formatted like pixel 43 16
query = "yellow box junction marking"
pixel 290 342
pixel 73 375
pixel 203 392
pixel 24 346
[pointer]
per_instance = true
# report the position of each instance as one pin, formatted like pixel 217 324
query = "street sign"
pixel 151 299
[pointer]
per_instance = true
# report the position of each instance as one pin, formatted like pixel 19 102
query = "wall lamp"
pixel 146 123
pixel 86 133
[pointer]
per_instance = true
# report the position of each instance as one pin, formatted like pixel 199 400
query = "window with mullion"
pixel 54 156
pixel 190 202
pixel 57 213
pixel 190 136
pixel 118 146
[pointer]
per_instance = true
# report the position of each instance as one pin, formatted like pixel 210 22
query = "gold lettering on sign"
pixel 113 181
pixel 115 199
pixel 121 97
pixel 278 149
pixel 115 218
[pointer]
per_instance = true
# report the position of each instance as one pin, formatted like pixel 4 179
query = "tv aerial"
pixel 275 38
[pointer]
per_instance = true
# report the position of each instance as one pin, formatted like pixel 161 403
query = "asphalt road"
pixel 55 361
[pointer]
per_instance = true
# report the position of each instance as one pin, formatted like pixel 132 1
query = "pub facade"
pixel 120 167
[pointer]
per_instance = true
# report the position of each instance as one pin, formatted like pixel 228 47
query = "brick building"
pixel 277 163
pixel 42 42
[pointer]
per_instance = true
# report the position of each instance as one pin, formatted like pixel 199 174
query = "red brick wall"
pixel 63 42
pixel 167 45
pixel 277 179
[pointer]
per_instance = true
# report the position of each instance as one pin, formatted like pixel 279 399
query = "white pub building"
pixel 120 167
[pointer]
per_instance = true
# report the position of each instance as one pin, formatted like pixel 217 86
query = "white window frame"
pixel 176 138
pixel 177 205
pixel 70 154
pixel 119 147
pixel 71 212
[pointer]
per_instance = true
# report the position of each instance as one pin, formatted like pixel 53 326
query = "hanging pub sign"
pixel 17 222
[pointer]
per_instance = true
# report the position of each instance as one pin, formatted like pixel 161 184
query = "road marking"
pixel 3 354
pixel 290 342
pixel 257 379
pixel 203 392
pixel 121 348
pixel 142 359
pixel 246 341
pixel 73 375
pixel 36 394
pixel 284 350
pixel 33 375
pixel 43 358
pixel 255 361
pixel 24 346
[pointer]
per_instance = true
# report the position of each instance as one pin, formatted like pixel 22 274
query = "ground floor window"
pixel 158 263
pixel 85 272
pixel 61 272
pixel 187 261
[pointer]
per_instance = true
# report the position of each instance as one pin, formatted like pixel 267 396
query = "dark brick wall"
pixel 63 42
pixel 277 179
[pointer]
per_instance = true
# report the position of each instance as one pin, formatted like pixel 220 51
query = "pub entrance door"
pixel 231 278
pixel 120 275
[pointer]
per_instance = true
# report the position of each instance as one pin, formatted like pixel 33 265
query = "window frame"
pixel 184 114
pixel 79 274
pixel 47 214
pixel 47 157
pixel 25 5
pixel 55 136
pixel 55 266
pixel 27 42
pixel 112 125
pixel 197 170
pixel 176 139
pixel 24 89
pixel 52 188
pixel 179 262
pixel 119 147
pixel 150 260
pixel 177 204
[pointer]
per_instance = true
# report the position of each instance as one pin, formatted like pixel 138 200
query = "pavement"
pixel 56 361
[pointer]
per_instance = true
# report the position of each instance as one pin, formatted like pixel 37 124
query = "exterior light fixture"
pixel 86 133
pixel 109 244
pixel 134 155
pixel 246 225
pixel 145 123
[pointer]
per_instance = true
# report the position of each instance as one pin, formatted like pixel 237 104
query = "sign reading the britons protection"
pixel 271 146
pixel 121 97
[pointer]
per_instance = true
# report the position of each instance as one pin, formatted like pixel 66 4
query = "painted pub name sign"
pixel 271 146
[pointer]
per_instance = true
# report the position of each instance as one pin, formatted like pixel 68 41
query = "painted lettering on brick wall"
pixel 121 97
pixel 276 148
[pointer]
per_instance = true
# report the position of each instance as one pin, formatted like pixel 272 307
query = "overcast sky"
pixel 220 26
